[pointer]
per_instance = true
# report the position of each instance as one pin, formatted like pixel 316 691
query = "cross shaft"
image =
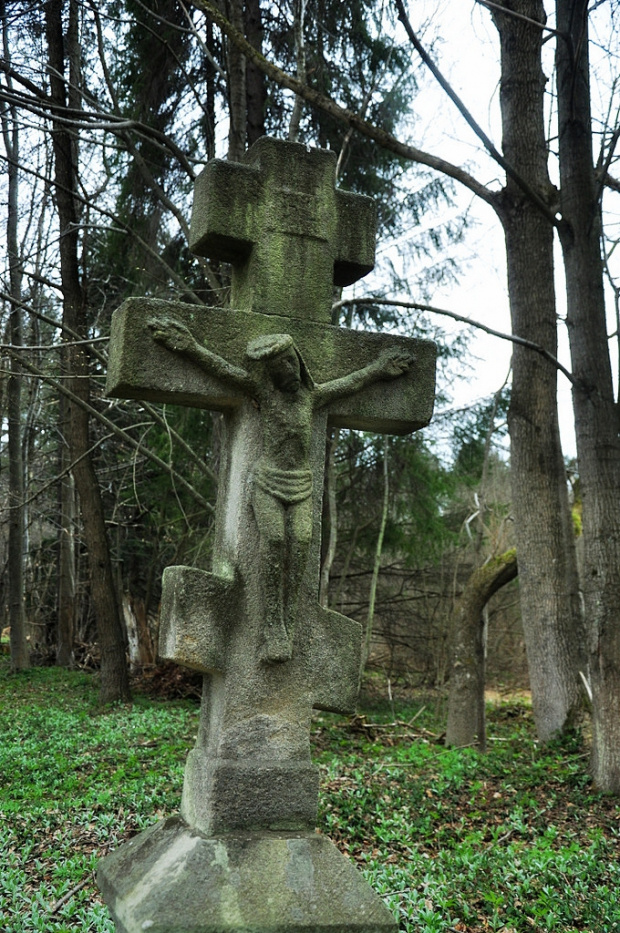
pixel 281 374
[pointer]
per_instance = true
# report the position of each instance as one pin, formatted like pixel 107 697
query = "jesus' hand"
pixel 172 334
pixel 394 363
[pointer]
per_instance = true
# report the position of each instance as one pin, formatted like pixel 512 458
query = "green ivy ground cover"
pixel 511 841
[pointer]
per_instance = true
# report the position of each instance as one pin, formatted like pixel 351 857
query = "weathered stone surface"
pixel 288 235
pixel 197 609
pixel 139 368
pixel 242 858
pixel 224 795
pixel 171 879
pixel 200 610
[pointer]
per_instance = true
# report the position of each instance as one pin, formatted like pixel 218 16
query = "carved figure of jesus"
pixel 281 387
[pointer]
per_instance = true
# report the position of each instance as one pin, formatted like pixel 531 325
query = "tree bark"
pixel 299 12
pixel 256 91
pixel 66 547
pixel 114 674
pixel 20 654
pixel 548 580
pixel 466 712
pixel 237 113
pixel 378 551
pixel 595 408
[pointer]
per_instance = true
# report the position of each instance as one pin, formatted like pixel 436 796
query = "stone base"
pixel 171 879
pixel 230 796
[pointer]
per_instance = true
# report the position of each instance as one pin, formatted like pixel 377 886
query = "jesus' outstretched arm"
pixel 389 365
pixel 178 338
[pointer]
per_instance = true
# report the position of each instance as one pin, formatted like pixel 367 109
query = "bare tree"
pixel 595 406
pixel 20 656
pixel 114 673
pixel 548 580
pixel 466 707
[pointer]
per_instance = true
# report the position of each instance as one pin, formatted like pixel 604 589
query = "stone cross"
pixel 288 233
pixel 253 625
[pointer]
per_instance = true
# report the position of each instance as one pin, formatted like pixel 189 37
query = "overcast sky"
pixel 466 50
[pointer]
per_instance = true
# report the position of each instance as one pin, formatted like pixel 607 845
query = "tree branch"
pixel 56 479
pixel 417 306
pixel 381 137
pixel 125 228
pixel 41 104
pixel 611 182
pixel 103 359
pixel 604 178
pixel 497 6
pixel 119 432
pixel 469 119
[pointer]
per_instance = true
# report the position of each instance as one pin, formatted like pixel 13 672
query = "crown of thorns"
pixel 264 348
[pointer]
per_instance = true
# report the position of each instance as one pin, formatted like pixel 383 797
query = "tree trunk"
pixel 140 644
pixel 256 92
pixel 378 551
pixel 114 674
pixel 66 547
pixel 548 581
pixel 20 655
pixel 596 412
pixel 237 113
pixel 210 94
pixel 466 713
pixel 299 12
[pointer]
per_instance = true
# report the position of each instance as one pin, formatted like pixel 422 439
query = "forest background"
pixel 109 110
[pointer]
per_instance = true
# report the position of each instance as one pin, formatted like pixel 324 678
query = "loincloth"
pixel 289 486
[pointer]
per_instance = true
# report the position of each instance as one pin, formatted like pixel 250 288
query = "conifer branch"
pixel 344 115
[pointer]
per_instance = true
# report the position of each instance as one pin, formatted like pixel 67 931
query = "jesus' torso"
pixel 286 419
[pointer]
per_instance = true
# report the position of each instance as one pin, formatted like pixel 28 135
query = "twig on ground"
pixel 67 897
pixel 419 713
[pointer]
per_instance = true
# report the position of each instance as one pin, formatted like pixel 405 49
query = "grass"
pixel 511 841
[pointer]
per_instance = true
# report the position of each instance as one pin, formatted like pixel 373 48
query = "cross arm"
pixel 143 368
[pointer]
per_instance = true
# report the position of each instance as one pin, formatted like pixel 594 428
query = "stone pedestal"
pixel 171 879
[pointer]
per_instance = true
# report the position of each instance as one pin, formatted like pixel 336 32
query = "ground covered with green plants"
pixel 514 840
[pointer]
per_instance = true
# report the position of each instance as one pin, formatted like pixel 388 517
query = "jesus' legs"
pixel 270 519
pixel 299 537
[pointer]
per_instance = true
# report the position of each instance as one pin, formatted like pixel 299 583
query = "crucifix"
pixel 281 374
